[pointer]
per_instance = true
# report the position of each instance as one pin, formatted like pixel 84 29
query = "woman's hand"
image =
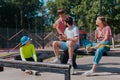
pixel 97 46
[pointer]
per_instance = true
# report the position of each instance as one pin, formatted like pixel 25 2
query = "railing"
pixel 47 67
pixel 11 41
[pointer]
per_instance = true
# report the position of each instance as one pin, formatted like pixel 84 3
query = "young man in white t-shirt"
pixel 71 35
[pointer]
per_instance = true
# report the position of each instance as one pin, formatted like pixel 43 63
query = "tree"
pixel 112 11
pixel 19 8
pixel 85 12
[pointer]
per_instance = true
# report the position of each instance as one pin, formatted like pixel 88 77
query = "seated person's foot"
pixel 28 72
pixel 56 61
pixel 36 73
pixel 72 68
pixel 90 49
pixel 88 73
pixel 70 62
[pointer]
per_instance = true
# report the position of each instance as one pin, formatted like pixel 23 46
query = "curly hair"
pixel 69 20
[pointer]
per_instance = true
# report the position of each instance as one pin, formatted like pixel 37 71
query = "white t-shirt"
pixel 73 32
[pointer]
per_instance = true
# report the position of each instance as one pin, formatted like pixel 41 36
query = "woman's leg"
pixel 87 43
pixel 98 54
pixel 97 58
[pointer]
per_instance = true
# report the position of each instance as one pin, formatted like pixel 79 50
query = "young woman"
pixel 103 36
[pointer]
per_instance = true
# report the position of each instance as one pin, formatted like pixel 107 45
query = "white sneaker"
pixel 56 61
pixel 72 70
pixel 28 72
pixel 36 73
pixel 88 73
pixel 70 62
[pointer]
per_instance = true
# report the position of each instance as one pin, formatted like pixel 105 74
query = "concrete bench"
pixel 63 55
pixel 38 66
pixel 112 52
pixel 81 51
pixel 47 53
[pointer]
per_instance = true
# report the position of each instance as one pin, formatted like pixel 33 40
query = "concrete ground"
pixel 108 69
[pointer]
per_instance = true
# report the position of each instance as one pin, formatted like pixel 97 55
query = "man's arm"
pixel 56 26
pixel 75 39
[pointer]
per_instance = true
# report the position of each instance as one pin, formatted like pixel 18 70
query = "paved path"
pixel 108 69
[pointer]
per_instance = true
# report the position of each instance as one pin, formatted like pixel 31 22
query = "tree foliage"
pixel 25 13
pixel 85 12
pixel 17 11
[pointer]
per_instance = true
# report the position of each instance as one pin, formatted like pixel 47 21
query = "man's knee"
pixel 55 43
pixel 71 44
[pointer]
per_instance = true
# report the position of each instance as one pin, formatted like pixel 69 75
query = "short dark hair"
pixel 59 11
pixel 69 20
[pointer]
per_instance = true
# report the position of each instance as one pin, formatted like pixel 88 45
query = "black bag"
pixel 64 58
pixel 17 57
pixel 1 69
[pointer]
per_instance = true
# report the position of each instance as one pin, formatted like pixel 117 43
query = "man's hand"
pixel 62 37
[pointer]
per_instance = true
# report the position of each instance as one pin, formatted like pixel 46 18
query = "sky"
pixel 44 1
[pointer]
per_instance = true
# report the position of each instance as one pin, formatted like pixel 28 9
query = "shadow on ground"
pixel 103 69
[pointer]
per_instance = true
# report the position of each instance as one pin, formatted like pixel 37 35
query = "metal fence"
pixel 10 38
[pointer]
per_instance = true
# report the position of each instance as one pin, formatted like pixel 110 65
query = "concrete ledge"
pixel 47 67
pixel 81 51
pixel 114 52
pixel 46 53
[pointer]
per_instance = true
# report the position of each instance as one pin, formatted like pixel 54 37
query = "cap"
pixel 24 40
